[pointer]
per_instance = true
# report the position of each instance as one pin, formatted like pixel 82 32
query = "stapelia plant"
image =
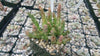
pixel 52 27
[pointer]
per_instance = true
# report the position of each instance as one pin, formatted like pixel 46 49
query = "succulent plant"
pixel 52 26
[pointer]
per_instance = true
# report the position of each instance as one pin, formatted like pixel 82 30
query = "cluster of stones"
pixel 96 6
pixel 13 1
pixel 4 10
pixel 27 3
pixel 85 40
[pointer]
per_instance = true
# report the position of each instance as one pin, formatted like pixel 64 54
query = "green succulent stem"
pixel 52 25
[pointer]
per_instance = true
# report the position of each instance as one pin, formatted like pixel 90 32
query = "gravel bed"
pixel 27 2
pixel 4 12
pixel 85 39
